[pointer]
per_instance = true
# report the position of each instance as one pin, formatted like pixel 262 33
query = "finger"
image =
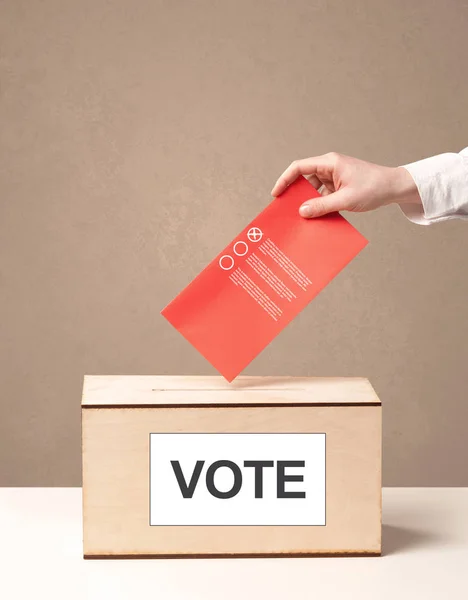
pixel 317 207
pixel 315 181
pixel 306 166
pixel 322 188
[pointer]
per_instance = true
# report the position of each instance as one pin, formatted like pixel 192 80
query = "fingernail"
pixel 305 210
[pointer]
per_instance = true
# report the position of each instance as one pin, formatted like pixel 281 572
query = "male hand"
pixel 346 183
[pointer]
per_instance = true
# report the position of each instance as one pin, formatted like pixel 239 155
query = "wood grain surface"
pixel 116 476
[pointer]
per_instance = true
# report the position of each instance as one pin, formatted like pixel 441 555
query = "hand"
pixel 346 183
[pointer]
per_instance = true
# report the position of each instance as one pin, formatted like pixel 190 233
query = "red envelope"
pixel 262 280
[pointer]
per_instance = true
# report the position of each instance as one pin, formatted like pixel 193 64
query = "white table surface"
pixel 425 545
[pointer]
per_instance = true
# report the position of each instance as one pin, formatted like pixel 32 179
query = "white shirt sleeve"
pixel 442 182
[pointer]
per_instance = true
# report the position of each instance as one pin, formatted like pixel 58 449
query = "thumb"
pixel 322 205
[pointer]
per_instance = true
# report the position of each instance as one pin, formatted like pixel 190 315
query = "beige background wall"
pixel 137 138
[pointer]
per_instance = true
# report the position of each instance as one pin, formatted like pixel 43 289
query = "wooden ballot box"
pixel 265 466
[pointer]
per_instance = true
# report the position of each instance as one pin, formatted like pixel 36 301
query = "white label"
pixel 237 479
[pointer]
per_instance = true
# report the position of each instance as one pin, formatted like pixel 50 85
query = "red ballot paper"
pixel 262 280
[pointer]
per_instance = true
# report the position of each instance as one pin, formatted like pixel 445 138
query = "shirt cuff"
pixel 442 182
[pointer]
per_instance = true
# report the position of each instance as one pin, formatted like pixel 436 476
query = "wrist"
pixel 404 188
